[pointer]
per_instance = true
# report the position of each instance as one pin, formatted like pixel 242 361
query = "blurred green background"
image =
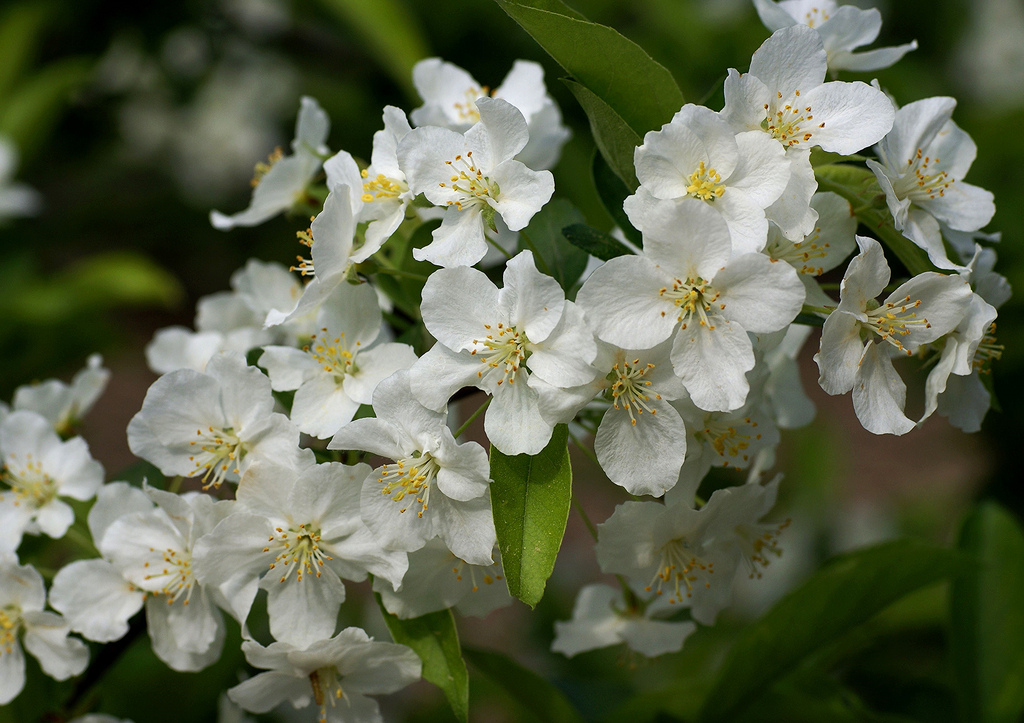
pixel 133 121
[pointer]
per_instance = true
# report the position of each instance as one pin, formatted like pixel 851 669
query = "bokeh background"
pixel 133 121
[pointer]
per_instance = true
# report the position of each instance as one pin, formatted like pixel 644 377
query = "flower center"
pixel 299 551
pixel 894 320
pixel 816 15
pixel 694 298
pixel 381 188
pixel 757 542
pixel 305 266
pixel 503 349
pixel 922 180
pixel 218 452
pixel 326 684
pixel 465 110
pixel 487 578
pixel 787 122
pixel 469 182
pixel 678 570
pixel 333 355
pixel 629 389
pixel 29 484
pixel 705 184
pixel 800 254
pixel 10 621
pixel 175 579
pixel 262 169
pixel 987 352
pixel 409 477
pixel 730 438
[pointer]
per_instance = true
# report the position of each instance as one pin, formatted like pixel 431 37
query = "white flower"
pixel 336 674
pixel 842 28
pixel 641 441
pixel 38 470
pixel 474 177
pixel 827 246
pixel 698 157
pixel 503 341
pixel 438 580
pixel 23 620
pixel 791 408
pixel 784 96
pixel 601 617
pixel 450 95
pixel 921 165
pixel 435 486
pixel 920 311
pixel 295 534
pixel 62 404
pixel 688 286
pixel 283 181
pixel 212 425
pixel 339 368
pixel 16 199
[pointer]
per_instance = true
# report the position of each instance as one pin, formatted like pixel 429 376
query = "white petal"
pixel 840 354
pixel 792 212
pixel 513 421
pixel 303 611
pixel 713 363
pixel 792 59
pixel 643 456
pixel 849 116
pixel 623 306
pixel 759 293
pixel 46 638
pixel 523 192
pixel 458 306
pixel 95 599
pixel 879 394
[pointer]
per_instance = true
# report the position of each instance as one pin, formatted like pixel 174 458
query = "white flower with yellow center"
pixel 503 342
pixel 698 157
pixel 785 97
pixel 295 535
pixel 336 675
pixel 861 335
pixel 437 579
pixel 435 487
pixel 689 287
pixel 450 96
pixel 921 165
pixel 338 369
pixel 473 177
pixel 44 634
pixel 38 470
pixel 842 28
pixel 65 404
pixel 212 425
pixel 282 181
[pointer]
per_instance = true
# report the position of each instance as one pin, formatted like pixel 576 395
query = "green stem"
pixel 586 450
pixel 386 269
pixel 542 265
pixel 586 519
pixel 498 246
pixel 816 310
pixel 82 540
pixel 474 415
pixel 175 484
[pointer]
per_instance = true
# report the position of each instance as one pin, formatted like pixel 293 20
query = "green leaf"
pixel 536 694
pixel 614 138
pixel 435 639
pixel 987 611
pixel 596 243
pixel 859 186
pixel 20 27
pixel 389 32
pixel 613 192
pixel 555 256
pixel 33 107
pixel 530 497
pixel 845 593
pixel 611 67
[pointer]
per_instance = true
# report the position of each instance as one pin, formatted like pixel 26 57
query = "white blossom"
pixel 16 199
pixel 62 404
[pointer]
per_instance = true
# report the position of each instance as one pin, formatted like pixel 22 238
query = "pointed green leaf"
pixel 555 256
pixel 613 68
pixel 845 593
pixel 613 192
pixel 596 243
pixel 613 136
pixel 987 611
pixel 530 497
pixel 535 693
pixel 435 639
pixel 857 184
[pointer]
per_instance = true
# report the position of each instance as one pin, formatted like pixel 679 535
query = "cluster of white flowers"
pixel 678 358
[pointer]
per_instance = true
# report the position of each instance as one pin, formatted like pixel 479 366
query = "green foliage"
pixel 435 639
pixel 555 256
pixel 624 92
pixel 533 692
pixel 21 26
pixel 530 497
pixel 987 612
pixel 842 595
pixel 613 192
pixel 596 243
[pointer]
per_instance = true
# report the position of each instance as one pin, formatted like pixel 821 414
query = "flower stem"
pixel 474 415
pixel 586 519
pixel 498 246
